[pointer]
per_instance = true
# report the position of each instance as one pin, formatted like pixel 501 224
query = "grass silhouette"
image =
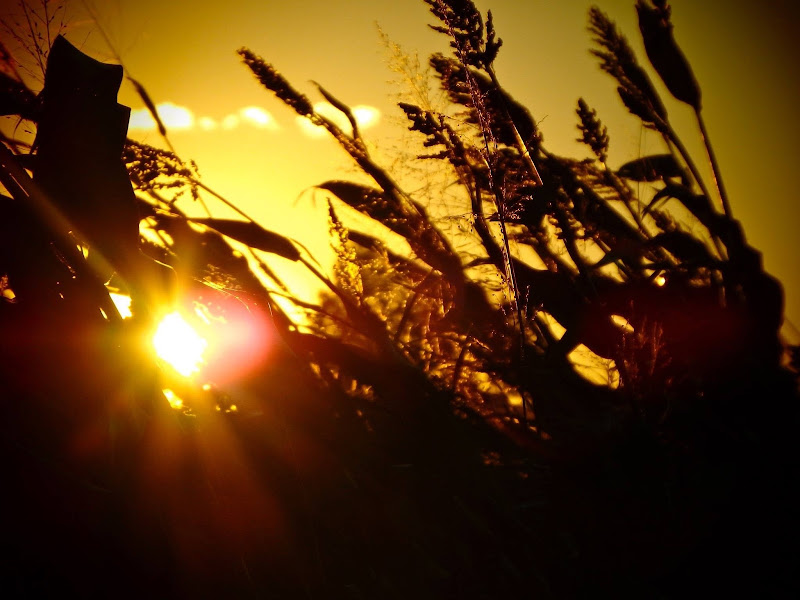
pixel 423 430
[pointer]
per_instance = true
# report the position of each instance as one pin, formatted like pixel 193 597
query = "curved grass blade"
pixel 652 168
pixel 253 235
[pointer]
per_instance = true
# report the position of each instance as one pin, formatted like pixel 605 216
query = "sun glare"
pixel 174 400
pixel 177 343
pixel 123 304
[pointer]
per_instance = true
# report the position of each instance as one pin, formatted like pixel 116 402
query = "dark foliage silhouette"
pixel 426 429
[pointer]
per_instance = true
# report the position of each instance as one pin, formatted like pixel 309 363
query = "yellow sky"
pixel 251 148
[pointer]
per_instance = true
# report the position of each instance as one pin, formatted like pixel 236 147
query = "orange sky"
pixel 184 53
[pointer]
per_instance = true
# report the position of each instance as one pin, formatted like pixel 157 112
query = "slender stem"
pixel 672 139
pixel 723 195
pixel 627 199
pixel 486 132
pixel 522 146
pixel 459 364
pixel 219 197
pixel 37 51
pixel 96 25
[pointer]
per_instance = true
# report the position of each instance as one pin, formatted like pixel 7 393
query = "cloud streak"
pixel 181 118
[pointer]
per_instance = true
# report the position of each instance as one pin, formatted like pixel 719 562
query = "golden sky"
pixel 251 148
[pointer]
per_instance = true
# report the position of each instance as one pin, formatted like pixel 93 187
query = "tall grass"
pixel 425 429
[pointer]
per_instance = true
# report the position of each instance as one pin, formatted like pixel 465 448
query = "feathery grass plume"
pixel 594 133
pixel 348 276
pixel 518 192
pixel 490 108
pixel 641 99
pixel 427 123
pixel 32 28
pixel 463 22
pixel 664 53
pixel 618 60
pixel 269 77
pixel 669 61
pixel 411 222
pixel 505 117
pixel 425 240
pixel 154 170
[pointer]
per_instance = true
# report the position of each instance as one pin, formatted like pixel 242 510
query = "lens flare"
pixel 239 333
pixel 177 343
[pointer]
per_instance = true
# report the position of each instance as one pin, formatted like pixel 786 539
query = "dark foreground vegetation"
pixel 424 431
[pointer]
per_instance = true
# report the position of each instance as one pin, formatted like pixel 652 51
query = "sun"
pixel 178 344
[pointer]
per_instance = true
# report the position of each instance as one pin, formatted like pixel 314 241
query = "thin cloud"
pixel 173 116
pixel 366 117
pixel 258 117
pixel 231 122
pixel 180 118
pixel 207 123
pixel 141 119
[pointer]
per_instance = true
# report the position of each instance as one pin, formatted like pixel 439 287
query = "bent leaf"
pixel 341 106
pixel 697 203
pixel 402 265
pixel 423 238
pixel 253 235
pixel 361 197
pixel 664 53
pixel 373 203
pixel 651 168
pixel 683 246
